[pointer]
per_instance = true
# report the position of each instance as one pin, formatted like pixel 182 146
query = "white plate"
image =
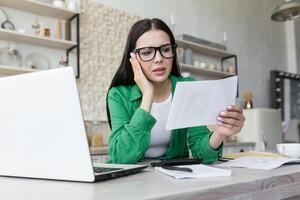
pixel 37 61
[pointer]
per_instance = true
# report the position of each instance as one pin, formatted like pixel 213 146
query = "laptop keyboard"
pixel 105 169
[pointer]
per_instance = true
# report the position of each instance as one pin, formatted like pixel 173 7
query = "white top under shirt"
pixel 160 137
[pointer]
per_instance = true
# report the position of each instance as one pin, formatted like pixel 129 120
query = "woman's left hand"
pixel 231 121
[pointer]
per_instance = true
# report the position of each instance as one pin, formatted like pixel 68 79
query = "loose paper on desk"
pixel 259 162
pixel 199 171
pixel 197 103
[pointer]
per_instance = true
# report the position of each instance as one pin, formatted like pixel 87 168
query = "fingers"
pixel 234 108
pixel 139 76
pixel 231 121
pixel 233 112
pixel 135 65
pixel 132 61
pixel 236 121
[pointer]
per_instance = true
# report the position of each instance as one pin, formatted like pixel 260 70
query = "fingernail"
pixel 219 118
pixel 229 107
pixel 130 55
pixel 222 113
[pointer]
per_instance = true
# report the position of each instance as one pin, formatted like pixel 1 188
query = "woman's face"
pixel 159 68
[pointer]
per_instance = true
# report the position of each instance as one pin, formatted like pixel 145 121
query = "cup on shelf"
pixel 212 67
pixel 196 63
pixel 35 27
pixel 96 140
pixel 188 56
pixel 203 65
pixel 58 3
pixel 72 5
pixel 44 30
pixel 63 62
pixel 94 133
pixel 231 69
pixel 180 54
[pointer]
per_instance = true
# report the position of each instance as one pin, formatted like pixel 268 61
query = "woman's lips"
pixel 159 71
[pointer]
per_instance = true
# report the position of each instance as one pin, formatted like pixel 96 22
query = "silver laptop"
pixel 42 132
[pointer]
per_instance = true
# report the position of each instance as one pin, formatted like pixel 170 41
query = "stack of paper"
pixel 198 171
pixel 265 163
pixel 252 154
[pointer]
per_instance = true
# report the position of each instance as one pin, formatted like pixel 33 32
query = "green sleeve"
pixel 130 137
pixel 199 145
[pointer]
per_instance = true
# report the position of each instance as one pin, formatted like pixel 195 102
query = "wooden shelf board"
pixel 202 49
pixel 35 40
pixel 39 8
pixel 10 70
pixel 192 69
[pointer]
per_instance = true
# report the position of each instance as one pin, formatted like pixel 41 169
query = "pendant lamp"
pixel 287 11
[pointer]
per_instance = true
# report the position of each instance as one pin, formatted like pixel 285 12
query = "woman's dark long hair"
pixel 124 75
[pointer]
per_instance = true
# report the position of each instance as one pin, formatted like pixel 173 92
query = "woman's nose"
pixel 158 57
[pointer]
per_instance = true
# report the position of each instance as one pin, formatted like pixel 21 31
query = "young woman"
pixel 139 100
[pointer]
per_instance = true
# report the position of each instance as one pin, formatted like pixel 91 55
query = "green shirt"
pixel 131 129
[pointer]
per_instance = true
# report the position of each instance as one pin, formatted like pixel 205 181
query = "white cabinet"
pixel 262 126
pixel 238 147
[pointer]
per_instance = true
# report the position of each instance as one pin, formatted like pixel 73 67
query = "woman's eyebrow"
pixel 153 46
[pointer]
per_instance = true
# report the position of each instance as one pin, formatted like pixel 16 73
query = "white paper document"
pixel 197 103
pixel 265 163
pixel 199 170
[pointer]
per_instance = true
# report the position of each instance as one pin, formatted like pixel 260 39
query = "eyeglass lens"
pixel 148 53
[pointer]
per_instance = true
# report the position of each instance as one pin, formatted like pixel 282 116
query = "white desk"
pixel 247 184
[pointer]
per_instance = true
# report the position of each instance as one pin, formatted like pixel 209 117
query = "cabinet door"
pixel 237 149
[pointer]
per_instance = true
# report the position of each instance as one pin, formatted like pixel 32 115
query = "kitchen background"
pixel 243 26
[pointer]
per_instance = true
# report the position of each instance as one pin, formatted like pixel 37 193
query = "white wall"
pixel 297 38
pixel 258 42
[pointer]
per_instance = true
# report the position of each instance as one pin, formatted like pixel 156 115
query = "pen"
pixel 184 169
pixel 225 159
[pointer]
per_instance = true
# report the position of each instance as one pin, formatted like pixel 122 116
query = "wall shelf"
pixel 9 70
pixel 209 51
pixel 39 8
pixel 45 9
pixel 35 40
pixel 202 49
pixel 200 71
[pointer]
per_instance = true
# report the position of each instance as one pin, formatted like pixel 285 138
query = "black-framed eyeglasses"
pixel 148 53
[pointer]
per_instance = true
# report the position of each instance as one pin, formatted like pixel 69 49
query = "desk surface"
pixel 273 184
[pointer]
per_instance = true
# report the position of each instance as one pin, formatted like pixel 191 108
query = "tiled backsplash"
pixel 103 33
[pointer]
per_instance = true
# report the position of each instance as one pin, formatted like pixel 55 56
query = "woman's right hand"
pixel 144 84
pixel 139 77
